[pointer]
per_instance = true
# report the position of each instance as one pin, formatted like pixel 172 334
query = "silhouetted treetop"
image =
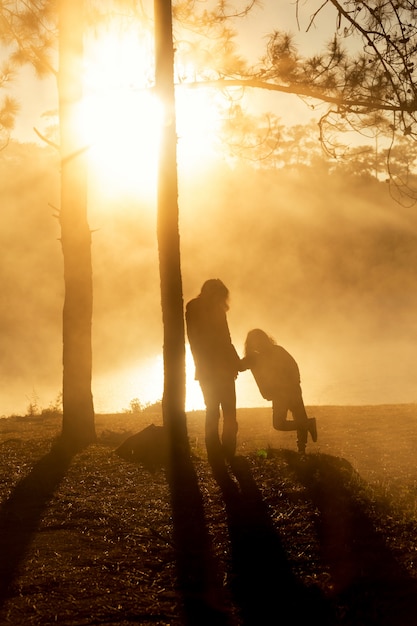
pixel 362 73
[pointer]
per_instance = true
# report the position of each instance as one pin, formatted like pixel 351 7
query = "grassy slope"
pixel 97 539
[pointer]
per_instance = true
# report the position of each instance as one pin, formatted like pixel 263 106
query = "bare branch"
pixel 307 92
pixel 45 139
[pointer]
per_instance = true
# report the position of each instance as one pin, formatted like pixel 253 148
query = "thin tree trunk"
pixel 78 411
pixel 173 403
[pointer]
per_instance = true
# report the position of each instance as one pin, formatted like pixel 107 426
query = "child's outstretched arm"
pixel 245 364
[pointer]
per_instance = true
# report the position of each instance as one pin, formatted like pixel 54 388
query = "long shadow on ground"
pixel 20 515
pixel 263 584
pixel 198 578
pixel 198 573
pixel 370 587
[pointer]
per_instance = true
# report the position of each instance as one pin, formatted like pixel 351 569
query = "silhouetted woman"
pixel 216 365
pixel 277 375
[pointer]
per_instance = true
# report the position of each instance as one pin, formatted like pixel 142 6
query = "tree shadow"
pixel 263 584
pixel 370 586
pixel 21 513
pixel 261 588
pixel 199 581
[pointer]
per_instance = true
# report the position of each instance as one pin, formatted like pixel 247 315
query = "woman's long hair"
pixel 215 291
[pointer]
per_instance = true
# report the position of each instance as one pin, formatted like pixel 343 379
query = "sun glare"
pixel 114 391
pixel 199 112
pixel 120 115
pixel 123 131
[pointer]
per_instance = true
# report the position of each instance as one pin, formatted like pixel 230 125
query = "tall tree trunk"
pixel 173 402
pixel 78 412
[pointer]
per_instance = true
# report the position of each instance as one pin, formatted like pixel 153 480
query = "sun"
pixel 123 135
pixel 114 390
pixel 120 116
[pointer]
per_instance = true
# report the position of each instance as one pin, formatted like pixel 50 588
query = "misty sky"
pixel 37 97
pixel 324 264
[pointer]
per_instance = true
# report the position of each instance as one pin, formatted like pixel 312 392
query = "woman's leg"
pixel 230 426
pixel 212 402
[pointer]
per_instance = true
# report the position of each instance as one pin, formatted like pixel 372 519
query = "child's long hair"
pixel 257 341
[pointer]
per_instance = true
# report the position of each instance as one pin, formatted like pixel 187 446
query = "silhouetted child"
pixel 277 375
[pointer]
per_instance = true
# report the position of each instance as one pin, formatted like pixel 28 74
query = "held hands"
pixel 243 365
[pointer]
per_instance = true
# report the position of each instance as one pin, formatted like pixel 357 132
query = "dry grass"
pixel 95 539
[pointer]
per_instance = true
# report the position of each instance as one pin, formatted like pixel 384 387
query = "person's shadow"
pixel 21 513
pixel 370 587
pixel 261 588
pixel 263 584
pixel 199 580
pixel 367 585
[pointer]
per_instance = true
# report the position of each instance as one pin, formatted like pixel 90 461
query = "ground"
pixel 101 538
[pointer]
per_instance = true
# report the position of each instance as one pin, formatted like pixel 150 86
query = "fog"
pixel 325 263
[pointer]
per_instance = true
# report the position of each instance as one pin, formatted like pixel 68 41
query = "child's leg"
pixel 300 417
pixel 304 423
pixel 301 440
pixel 279 416
pixel 280 422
